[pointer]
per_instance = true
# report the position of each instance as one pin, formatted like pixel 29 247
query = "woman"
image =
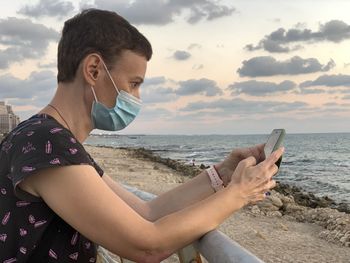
pixel 56 202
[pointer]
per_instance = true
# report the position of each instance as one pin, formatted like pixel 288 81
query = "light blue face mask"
pixel 121 115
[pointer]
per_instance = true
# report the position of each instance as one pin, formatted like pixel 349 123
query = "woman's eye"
pixel 135 84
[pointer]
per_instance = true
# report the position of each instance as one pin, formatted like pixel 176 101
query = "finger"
pixel 258 197
pixel 273 170
pixel 250 161
pixel 273 158
pixel 261 186
pixel 271 184
pixel 265 186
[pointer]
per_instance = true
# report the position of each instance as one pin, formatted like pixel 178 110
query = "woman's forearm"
pixel 180 197
pixel 184 226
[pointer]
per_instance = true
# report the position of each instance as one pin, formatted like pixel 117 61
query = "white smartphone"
pixel 274 142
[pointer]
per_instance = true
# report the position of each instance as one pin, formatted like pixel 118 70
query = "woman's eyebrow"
pixel 140 79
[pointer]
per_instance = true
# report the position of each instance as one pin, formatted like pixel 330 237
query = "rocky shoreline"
pixel 285 201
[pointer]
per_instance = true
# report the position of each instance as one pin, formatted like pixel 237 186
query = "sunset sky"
pixel 219 67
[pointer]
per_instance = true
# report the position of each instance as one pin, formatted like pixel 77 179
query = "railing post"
pixel 189 255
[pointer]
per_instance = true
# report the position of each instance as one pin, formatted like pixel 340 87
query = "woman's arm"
pixel 194 190
pixel 191 192
pixel 80 197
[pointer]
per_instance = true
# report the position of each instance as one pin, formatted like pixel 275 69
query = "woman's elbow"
pixel 150 247
pixel 151 255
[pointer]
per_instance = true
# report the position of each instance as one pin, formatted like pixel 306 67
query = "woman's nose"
pixel 136 93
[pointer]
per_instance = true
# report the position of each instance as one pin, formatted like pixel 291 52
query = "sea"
pixel 318 163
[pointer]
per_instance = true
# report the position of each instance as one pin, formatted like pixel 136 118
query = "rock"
pixel 300 218
pixel 274 214
pixel 324 234
pixel 259 234
pixel 266 205
pixel 293 208
pixel 287 199
pixel 202 166
pixel 342 207
pixel 181 180
pixel 275 201
pixel 155 167
pixel 255 210
pixel 309 199
pixel 344 239
pixel 284 227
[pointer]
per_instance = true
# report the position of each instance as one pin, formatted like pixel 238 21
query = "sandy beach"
pixel 277 230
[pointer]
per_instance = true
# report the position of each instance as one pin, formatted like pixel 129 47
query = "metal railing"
pixel 213 247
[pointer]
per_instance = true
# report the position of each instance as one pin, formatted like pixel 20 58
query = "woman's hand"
pixel 252 180
pixel 228 166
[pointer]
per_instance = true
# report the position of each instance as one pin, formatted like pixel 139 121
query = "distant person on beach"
pixel 193 162
pixel 56 202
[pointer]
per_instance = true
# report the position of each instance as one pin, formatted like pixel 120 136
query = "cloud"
pixel 311 91
pixel 22 39
pixel 339 80
pixel 194 46
pixel 36 90
pixel 181 55
pixel 334 107
pixel 261 88
pixel 228 107
pixel 202 86
pixel 157 90
pixel 154 81
pixel 269 66
pixel 278 41
pixel 160 90
pixel 51 8
pixel 158 95
pixel 151 113
pixel 158 12
pixel 197 67
pixel 49 65
pixel 330 104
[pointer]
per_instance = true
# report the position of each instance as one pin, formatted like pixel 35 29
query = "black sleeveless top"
pixel 29 230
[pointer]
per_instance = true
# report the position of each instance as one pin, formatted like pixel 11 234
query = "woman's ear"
pixel 92 65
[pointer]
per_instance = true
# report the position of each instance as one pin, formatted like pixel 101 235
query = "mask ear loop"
pixel 109 75
pixel 93 92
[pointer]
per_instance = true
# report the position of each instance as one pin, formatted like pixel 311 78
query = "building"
pixel 8 120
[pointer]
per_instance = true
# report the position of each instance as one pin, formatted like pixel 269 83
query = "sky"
pixel 219 67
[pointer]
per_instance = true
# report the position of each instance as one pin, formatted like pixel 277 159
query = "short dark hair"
pixel 100 31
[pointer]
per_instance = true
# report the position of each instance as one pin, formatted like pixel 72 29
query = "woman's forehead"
pixel 131 63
